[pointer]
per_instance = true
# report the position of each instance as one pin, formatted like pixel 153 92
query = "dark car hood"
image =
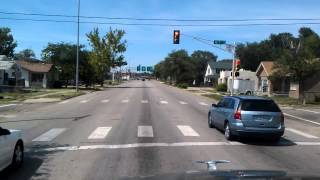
pixel 225 174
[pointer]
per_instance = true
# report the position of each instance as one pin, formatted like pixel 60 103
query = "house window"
pixel 37 77
pixel 218 71
pixel 264 85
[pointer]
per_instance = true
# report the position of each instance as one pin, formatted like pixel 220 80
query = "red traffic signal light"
pixel 237 69
pixel 176 37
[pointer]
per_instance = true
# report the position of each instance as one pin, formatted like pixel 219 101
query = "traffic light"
pixel 139 68
pixel 237 69
pixel 176 37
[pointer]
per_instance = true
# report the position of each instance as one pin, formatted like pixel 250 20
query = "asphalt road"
pixel 146 128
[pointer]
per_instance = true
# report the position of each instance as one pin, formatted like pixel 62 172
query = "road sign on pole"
pixel 219 42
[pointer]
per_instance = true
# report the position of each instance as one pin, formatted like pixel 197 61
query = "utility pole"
pixel 77 64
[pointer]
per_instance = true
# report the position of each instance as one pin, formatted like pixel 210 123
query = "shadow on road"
pixel 75 118
pixel 33 165
pixel 266 142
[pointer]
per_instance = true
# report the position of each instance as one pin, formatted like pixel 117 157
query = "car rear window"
pixel 259 105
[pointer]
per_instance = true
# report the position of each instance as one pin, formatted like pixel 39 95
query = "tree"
pixel 107 51
pixel 201 59
pixel 26 54
pixel 177 66
pixel 99 55
pixel 7 43
pixel 301 59
pixel 63 57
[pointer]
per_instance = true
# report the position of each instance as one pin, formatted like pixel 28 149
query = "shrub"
pixel 182 85
pixel 222 87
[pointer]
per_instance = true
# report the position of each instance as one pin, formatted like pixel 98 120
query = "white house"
pixel 34 74
pixel 213 70
pixel 7 70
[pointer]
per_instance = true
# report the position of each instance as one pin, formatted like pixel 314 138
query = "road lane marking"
pixel 187 130
pixel 105 101
pixel 8 115
pixel 125 101
pixel 145 131
pixel 308 143
pixel 64 102
pixel 302 119
pixel 163 102
pixel 8 105
pixel 301 133
pixel 144 101
pixel 100 133
pixel 203 104
pixel 50 135
pixel 152 145
pixel 84 101
pixel 182 102
pixel 306 110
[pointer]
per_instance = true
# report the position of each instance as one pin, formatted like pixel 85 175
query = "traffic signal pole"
pixel 233 71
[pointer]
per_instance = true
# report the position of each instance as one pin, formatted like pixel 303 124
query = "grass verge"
pixel 213 96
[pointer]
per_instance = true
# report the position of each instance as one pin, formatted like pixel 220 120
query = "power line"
pixel 163 24
pixel 161 19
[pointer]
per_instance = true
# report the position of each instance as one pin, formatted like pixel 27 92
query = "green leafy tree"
pixel 107 51
pixel 201 59
pixel 7 43
pixel 301 59
pixel 63 57
pixel 26 54
pixel 177 66
pixel 99 55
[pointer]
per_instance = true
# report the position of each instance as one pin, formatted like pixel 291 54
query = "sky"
pixel 147 45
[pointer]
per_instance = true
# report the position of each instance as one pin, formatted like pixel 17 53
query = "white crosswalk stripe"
pixel 187 130
pixel 125 101
pixel 163 102
pixel 100 133
pixel 105 101
pixel 301 133
pixel 203 104
pixel 144 101
pixel 182 102
pixel 50 135
pixel 84 101
pixel 145 131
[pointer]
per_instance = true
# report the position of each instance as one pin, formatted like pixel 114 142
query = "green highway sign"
pixel 219 42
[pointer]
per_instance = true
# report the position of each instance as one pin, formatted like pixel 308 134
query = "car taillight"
pixel 237 115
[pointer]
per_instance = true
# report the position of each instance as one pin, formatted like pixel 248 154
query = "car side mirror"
pixel 214 105
pixel 4 132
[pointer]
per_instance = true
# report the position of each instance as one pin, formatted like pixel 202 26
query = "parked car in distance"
pixel 143 79
pixel 247 116
pixel 11 148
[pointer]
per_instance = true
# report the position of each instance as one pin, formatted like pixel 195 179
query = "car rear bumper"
pixel 259 133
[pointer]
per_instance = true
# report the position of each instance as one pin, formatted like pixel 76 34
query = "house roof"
pixel 223 64
pixel 267 67
pixel 37 67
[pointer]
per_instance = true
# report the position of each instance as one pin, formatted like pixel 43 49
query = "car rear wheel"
pixel 227 132
pixel 210 121
pixel 17 155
